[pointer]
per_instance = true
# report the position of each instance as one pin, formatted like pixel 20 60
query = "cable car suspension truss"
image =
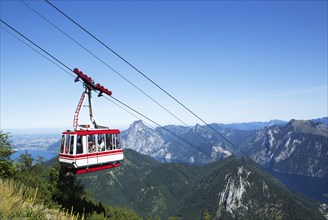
pixel 89 85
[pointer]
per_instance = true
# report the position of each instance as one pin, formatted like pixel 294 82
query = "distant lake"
pixel 313 187
pixel 35 154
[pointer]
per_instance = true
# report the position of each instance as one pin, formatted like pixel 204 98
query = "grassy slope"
pixel 18 201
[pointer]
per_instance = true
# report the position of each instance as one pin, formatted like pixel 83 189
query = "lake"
pixel 313 187
pixel 35 154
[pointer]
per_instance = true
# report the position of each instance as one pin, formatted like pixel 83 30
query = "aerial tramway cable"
pixel 115 71
pixel 74 77
pixel 146 77
pixel 122 103
pixel 102 61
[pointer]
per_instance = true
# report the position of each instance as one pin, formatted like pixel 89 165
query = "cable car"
pixel 88 149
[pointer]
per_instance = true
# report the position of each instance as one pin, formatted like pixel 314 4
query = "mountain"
pixel 160 144
pixel 145 140
pixel 54 147
pixel 231 188
pixel 195 145
pixel 299 147
pixel 295 152
pixel 323 120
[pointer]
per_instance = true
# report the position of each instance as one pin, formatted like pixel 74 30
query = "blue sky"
pixel 228 61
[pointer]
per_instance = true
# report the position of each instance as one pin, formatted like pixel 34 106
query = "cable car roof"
pixel 93 131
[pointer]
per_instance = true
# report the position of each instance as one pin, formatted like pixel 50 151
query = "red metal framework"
pixel 77 111
pixel 90 83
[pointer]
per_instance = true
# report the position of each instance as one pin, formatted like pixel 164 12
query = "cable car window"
pixel 101 142
pixel 62 145
pixel 109 145
pixel 79 148
pixel 114 141
pixel 66 147
pixel 119 141
pixel 92 143
pixel 71 146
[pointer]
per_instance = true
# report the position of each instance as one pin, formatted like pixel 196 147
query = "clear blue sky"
pixel 228 61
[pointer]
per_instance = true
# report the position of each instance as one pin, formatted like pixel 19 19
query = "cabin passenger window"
pixel 109 145
pixel 101 142
pixel 66 147
pixel 71 146
pixel 119 141
pixel 114 141
pixel 62 145
pixel 79 148
pixel 91 143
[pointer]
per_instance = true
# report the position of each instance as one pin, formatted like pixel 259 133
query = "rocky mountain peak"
pixel 308 127
pixel 139 130
pixel 197 127
pixel 145 140
pixel 297 147
pixel 138 125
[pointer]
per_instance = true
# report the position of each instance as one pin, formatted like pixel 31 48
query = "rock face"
pixel 297 147
pixel 231 196
pixel 145 140
pixel 163 146
pixel 247 194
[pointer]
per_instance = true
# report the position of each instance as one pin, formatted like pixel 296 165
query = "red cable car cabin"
pixel 91 150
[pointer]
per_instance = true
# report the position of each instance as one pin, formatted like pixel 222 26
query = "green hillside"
pixel 233 188
pixel 43 191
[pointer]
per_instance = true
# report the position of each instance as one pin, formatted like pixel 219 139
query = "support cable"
pixel 115 103
pixel 102 61
pixel 65 70
pixel 115 71
pixel 117 100
pixel 37 51
pixel 145 76
pixel 35 44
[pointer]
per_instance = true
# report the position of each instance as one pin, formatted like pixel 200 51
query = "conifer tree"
pixel 25 162
pixel 6 166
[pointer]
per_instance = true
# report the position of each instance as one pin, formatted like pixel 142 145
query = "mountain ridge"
pixel 299 147
pixel 231 188
pixel 266 146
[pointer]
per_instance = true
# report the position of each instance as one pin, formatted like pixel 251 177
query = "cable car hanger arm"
pixel 89 85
